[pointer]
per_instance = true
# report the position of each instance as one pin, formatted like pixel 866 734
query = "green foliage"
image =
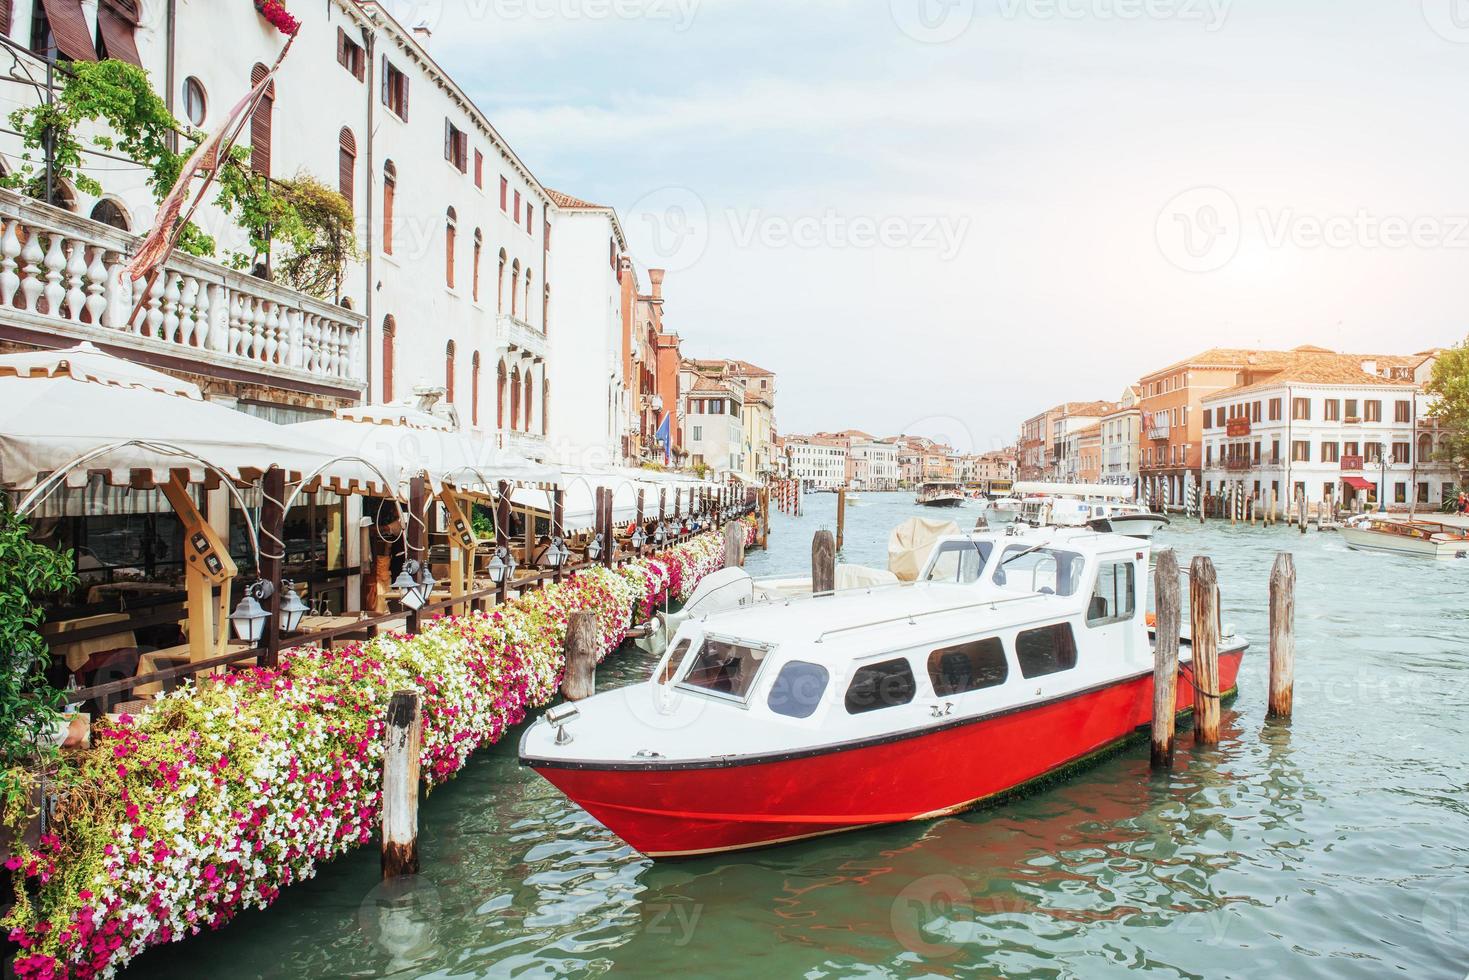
pixel 303 225
pixel 28 703
pixel 1450 386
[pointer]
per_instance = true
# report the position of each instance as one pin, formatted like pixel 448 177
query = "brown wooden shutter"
pixel 390 192
pixel 5 16
pixel 69 27
pixel 116 22
pixel 347 166
pixel 260 123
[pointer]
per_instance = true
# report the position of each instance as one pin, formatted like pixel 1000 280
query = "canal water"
pixel 1335 846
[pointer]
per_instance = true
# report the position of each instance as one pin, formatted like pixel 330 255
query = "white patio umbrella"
pixel 404 442
pixel 87 412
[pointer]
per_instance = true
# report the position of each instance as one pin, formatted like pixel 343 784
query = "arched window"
pixel 450 223
pixel 109 212
pixel 449 373
pixel 500 285
pixel 1425 448
pixel 514 399
pixel 390 193
pixel 474 389
pixel 528 401
pixel 514 284
pixel 526 307
pixel 390 329
pixel 545 403
pixel 479 246
pixel 347 166
pixel 260 122
pixel 500 380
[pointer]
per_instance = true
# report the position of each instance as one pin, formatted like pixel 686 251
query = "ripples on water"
pixel 1332 847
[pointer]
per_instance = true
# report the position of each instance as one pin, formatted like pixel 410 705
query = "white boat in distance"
pixel 1099 506
pixel 1013 656
pixel 1406 536
pixel 939 493
pixel 1002 511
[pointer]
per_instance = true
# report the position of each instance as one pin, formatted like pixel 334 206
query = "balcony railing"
pixel 1158 432
pixel 514 334
pixel 531 445
pixel 65 275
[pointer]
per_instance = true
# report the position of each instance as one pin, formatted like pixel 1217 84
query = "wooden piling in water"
pixel 1301 509
pixel 1165 657
pixel 734 544
pixel 403 744
pixel 1282 636
pixel 1204 641
pixel 823 563
pixel 841 517
pixel 582 639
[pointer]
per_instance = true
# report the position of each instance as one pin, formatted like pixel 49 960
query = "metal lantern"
pixel 407 585
pixel 660 534
pixel 496 568
pixel 249 617
pixel 556 553
pixel 594 548
pixel 637 538
pixel 292 608
pixel 426 584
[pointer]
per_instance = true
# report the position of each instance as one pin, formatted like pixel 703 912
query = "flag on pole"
pixel 663 436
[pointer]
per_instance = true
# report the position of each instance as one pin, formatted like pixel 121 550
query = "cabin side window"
pixel 798 688
pixel 1040 570
pixel 883 685
pixel 724 667
pixel 1113 598
pixel 1046 650
pixel 675 659
pixel 968 667
pixel 960 562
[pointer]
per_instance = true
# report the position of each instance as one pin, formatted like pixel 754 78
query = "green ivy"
pixel 29 705
pixel 308 224
pixel 1450 385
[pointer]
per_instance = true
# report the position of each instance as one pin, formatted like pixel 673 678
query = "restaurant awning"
pixel 580 494
pixel 1358 483
pixel 404 442
pixel 134 426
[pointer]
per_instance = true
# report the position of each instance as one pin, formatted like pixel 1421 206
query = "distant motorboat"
pixel 1101 507
pixel 1415 538
pixel 1002 511
pixel 940 494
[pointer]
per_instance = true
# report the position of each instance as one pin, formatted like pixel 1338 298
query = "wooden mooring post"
pixel 841 517
pixel 1282 636
pixel 1301 510
pixel 1204 640
pixel 582 638
pixel 734 544
pixel 823 563
pixel 1165 657
pixel 403 738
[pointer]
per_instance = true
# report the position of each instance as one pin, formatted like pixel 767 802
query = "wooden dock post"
pixel 1204 639
pixel 403 744
pixel 502 536
pixel 558 520
pixel 417 534
pixel 1301 509
pixel 582 638
pixel 1282 636
pixel 273 537
pixel 1165 657
pixel 841 517
pixel 823 563
pixel 762 525
pixel 734 544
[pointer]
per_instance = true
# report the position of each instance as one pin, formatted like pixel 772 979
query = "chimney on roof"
pixel 422 33
pixel 655 276
pixel 1369 367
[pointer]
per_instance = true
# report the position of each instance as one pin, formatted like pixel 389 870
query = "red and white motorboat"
pixel 1015 655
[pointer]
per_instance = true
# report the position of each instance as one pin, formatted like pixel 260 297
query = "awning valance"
pixel 1358 483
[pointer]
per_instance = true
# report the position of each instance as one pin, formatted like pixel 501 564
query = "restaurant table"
pixel 178 656
pixel 79 652
pixel 124 589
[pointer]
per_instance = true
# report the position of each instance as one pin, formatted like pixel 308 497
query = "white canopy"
pixel 1084 490
pixel 403 442
pixel 580 494
pixel 57 407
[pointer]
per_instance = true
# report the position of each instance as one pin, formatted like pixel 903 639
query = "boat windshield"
pixel 724 667
pixel 1048 571
pixel 959 562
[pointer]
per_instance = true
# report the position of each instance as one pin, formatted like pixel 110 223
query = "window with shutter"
pixel 390 329
pixel 504 194
pixel 449 373
pixel 390 193
pixel 5 16
pixel 63 24
pixel 351 56
pixel 449 238
pixel 479 169
pixel 116 22
pixel 347 165
pixel 261 122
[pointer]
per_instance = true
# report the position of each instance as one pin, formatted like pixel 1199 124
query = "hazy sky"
pixel 945 215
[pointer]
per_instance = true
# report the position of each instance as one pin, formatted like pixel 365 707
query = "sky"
pixel 942 216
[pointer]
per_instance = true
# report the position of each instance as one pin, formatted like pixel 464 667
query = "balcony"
pixel 1239 465
pixel 64 276
pixel 531 445
pixel 514 336
pixel 1158 431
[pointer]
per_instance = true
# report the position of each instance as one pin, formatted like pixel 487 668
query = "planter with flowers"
pixel 279 17
pixel 224 793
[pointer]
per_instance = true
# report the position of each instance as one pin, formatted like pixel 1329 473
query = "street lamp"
pixel 1382 489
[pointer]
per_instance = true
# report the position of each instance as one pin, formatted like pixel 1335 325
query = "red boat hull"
pixel 680 810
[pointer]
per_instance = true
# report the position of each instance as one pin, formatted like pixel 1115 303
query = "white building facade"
pixel 874 465
pixel 714 434
pixel 819 466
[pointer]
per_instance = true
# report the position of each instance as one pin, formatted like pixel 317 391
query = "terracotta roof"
pixel 1313 368
pixel 1228 357
pixel 568 203
pixel 1088 409
pixel 702 383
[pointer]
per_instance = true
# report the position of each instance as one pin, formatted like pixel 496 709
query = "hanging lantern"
pixel 292 608
pixel 249 617
pixel 637 539
pixel 660 534
pixel 496 568
pixel 426 584
pixel 407 585
pixel 555 554
pixel 594 548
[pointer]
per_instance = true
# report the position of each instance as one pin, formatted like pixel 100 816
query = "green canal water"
pixel 1335 846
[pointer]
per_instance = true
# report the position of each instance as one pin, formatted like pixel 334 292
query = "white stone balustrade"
pixel 514 334
pixel 63 274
